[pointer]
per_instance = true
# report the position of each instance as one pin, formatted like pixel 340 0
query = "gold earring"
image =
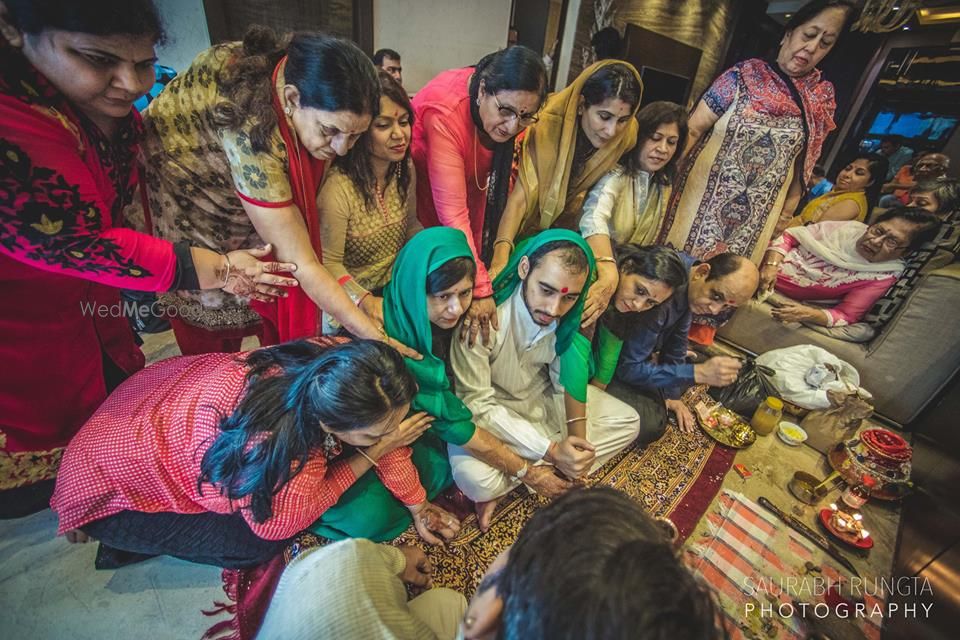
pixel 288 110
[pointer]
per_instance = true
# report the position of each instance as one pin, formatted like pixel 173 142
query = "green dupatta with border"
pixel 573 348
pixel 406 319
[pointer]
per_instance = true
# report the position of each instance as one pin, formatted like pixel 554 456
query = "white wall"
pixel 434 35
pixel 186 27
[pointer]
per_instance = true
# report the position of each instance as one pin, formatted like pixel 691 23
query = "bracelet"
pixel 226 274
pixel 571 420
pixel 606 259
pixel 372 461
pixel 770 264
pixel 522 473
pixel 509 242
pixel 362 298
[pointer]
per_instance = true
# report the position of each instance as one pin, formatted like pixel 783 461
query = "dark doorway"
pixel 539 25
pixel 667 66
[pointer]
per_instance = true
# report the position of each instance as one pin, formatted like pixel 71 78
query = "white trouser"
pixel 611 426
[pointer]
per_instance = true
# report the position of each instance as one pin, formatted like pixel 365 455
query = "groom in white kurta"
pixel 513 388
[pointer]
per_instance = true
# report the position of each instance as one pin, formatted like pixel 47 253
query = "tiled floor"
pixel 50 590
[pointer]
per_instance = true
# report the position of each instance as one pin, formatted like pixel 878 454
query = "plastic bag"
pixel 752 386
pixel 792 366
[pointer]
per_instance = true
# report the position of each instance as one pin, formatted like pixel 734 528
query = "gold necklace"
pixel 381 202
pixel 476 175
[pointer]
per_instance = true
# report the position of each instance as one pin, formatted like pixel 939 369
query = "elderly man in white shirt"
pixel 513 385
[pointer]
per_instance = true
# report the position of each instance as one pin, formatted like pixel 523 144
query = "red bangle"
pixel 362 298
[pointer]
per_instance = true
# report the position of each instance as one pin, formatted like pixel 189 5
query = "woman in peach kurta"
pixel 465 124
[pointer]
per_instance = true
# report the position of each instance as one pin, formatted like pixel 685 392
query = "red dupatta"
pixel 296 316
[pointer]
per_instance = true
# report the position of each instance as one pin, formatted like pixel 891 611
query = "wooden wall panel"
pixel 229 19
pixel 705 24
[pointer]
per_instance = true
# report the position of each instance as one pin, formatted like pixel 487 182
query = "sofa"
pixel 914 355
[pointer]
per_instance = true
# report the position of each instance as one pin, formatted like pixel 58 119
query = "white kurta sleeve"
pixel 474 385
pixel 597 217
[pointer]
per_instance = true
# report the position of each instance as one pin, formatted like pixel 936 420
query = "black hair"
pixel 385 53
pixel 812 9
pixel 571 256
pixel 607 43
pixel 515 68
pixel 945 190
pixel 928 224
pixel 654 262
pixel 877 165
pixel 450 273
pixel 724 264
pixel 357 164
pixel 618 80
pixel 650 118
pixel 818 171
pixel 330 73
pixel 95 17
pixel 619 579
pixel 291 389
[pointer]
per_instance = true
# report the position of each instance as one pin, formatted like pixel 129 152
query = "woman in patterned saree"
pixel 69 74
pixel 752 145
pixel 235 151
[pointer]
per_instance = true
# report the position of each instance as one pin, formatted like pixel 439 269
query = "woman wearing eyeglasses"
pixel 465 124
pixel 847 261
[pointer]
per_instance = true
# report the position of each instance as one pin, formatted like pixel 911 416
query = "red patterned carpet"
pixel 677 476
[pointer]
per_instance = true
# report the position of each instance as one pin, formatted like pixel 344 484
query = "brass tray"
pixel 736 435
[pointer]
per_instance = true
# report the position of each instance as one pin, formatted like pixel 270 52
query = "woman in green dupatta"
pixel 430 288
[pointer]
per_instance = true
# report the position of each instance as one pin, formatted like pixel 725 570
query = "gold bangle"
pixel 509 242
pixel 372 461
pixel 606 259
pixel 576 419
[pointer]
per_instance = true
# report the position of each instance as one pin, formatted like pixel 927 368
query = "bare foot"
pixel 485 513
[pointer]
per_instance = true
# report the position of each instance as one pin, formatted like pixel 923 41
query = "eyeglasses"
pixel 888 241
pixel 525 119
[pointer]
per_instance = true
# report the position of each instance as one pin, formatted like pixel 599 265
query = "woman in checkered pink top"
pixel 222 459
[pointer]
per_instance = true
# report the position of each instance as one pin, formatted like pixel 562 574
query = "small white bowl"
pixel 791 433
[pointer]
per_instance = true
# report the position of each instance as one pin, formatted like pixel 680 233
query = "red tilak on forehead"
pixel 564 290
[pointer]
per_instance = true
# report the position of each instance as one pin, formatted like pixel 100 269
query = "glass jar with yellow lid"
pixel 767 416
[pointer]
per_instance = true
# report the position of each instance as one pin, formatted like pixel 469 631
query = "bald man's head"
pixel 723 282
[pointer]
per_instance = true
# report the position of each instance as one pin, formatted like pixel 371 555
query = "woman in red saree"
pixel 69 73
pixel 235 150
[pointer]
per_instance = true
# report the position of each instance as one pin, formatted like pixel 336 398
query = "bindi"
pixel 564 290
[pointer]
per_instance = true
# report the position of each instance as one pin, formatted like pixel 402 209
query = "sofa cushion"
pixel 903 368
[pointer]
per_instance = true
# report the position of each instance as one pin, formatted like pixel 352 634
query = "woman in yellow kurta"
pixel 854 193
pixel 367 204
pixel 581 134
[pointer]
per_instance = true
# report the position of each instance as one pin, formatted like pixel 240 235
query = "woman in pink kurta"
pixel 465 125
pixel 844 261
